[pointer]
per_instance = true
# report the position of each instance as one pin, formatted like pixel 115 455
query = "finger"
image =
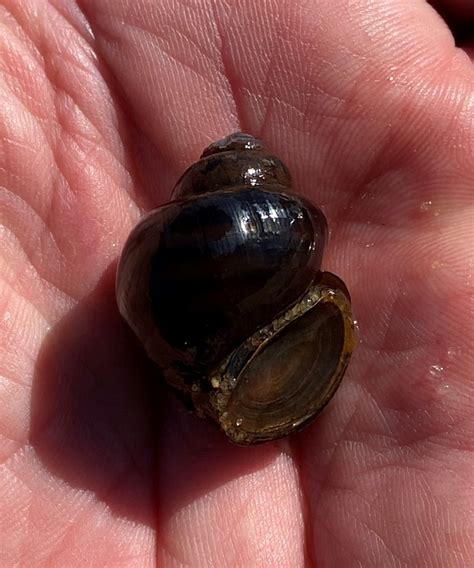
pixel 63 202
pixel 223 505
pixel 63 159
pixel 342 93
pixel 459 15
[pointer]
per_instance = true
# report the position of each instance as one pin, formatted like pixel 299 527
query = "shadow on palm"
pixel 99 418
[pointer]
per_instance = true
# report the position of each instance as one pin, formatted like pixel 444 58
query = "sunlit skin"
pixel 103 105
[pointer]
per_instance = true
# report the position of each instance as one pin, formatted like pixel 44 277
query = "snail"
pixel 223 287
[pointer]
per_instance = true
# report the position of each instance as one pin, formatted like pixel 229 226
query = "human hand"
pixel 103 107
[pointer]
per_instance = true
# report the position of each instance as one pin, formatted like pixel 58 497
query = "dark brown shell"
pixel 224 289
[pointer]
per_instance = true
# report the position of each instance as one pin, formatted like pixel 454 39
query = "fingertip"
pixel 459 17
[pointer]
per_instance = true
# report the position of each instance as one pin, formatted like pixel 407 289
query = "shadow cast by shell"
pixel 102 421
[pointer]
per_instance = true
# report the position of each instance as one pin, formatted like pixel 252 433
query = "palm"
pixel 97 470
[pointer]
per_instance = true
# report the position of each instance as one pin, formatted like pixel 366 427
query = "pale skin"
pixel 103 105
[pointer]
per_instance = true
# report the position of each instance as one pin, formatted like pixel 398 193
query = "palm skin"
pixel 104 103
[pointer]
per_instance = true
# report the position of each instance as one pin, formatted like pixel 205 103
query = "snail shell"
pixel 223 288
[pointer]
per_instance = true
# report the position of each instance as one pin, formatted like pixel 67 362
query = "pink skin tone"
pixel 103 104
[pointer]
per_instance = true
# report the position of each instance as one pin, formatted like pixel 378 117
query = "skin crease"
pixel 103 105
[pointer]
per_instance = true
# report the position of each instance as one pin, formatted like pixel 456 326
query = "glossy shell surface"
pixel 223 286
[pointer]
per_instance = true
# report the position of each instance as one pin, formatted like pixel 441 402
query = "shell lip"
pixel 226 377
